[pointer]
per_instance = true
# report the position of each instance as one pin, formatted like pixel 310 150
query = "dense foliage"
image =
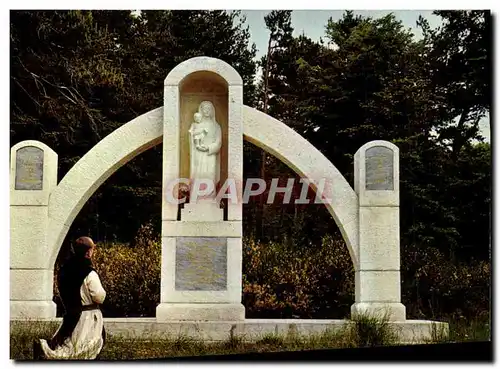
pixel 374 80
pixel 78 75
pixel 295 281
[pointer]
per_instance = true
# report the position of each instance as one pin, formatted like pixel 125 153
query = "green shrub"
pixel 302 281
pixel 272 340
pixel 473 329
pixel 434 287
pixel 293 280
pixel 130 274
pixel 370 331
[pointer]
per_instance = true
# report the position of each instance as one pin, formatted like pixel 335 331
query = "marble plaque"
pixel 29 168
pixel 379 165
pixel 201 264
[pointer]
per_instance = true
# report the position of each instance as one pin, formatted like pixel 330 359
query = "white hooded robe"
pixel 86 341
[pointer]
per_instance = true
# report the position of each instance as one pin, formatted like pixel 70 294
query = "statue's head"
pixel 197 117
pixel 207 109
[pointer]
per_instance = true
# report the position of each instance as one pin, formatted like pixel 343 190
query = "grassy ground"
pixel 366 332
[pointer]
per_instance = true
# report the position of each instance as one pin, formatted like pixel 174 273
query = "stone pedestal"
pixel 200 312
pixel 201 267
pixel 33 175
pixel 377 275
pixel 202 211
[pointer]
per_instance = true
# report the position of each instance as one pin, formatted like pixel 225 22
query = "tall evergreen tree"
pixel 372 81
pixel 279 25
pixel 458 56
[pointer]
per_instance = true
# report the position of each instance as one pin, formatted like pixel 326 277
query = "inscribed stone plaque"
pixel 379 164
pixel 201 264
pixel 29 168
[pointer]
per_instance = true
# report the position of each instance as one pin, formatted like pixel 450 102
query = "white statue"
pixel 205 140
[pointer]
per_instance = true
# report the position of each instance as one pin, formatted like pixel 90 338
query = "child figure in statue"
pixel 198 133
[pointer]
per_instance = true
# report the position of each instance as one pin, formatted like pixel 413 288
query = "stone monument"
pixel 377 276
pixel 33 178
pixel 201 241
pixel 201 123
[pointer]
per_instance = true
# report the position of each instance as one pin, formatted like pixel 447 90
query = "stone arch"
pixel 146 131
pixel 83 179
pixel 300 155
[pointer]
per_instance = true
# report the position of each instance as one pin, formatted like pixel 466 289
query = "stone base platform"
pixel 409 331
pixel 200 312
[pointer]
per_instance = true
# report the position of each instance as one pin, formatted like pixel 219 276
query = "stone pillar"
pixel 33 176
pixel 377 276
pixel 201 267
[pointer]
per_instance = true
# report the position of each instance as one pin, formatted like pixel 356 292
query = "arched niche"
pixel 193 89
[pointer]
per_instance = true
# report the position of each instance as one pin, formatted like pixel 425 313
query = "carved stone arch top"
pixel 203 63
pixel 196 83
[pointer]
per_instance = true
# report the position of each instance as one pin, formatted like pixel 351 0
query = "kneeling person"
pixel 81 334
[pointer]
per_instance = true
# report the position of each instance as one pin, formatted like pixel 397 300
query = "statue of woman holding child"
pixel 205 140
